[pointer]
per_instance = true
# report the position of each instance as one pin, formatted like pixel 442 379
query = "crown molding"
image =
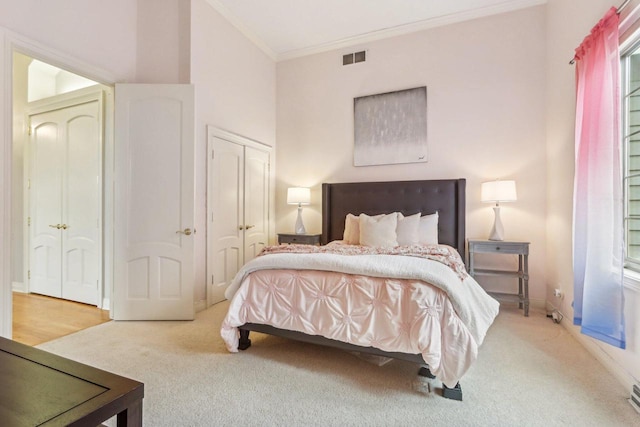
pixel 412 28
pixel 507 6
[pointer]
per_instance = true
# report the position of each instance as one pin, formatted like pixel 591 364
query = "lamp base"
pixel 497 232
pixel 299 225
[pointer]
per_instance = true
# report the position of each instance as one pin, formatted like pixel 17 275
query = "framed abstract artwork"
pixel 390 128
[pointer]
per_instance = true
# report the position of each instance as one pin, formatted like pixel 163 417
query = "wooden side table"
pixel 504 247
pixel 43 389
pixel 301 239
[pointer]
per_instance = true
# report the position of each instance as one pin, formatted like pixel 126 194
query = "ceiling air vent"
pixel 352 58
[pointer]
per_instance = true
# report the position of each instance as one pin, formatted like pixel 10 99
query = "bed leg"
pixel 454 393
pixel 245 342
pixel 426 372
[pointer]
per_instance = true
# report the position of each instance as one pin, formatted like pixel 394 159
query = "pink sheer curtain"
pixel 598 246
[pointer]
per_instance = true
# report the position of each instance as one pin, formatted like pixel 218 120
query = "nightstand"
pixel 301 239
pixel 504 247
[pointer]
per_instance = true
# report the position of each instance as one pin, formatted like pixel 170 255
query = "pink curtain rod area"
pixel 618 10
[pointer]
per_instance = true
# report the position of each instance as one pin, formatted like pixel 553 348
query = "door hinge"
pixel 212 279
pixel 29 130
pixel 29 184
pixel 213 154
pixel 29 274
pixel 28 221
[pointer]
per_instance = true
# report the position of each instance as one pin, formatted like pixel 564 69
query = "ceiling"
pixel 287 29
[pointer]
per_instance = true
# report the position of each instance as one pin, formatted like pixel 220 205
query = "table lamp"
pixel 498 191
pixel 299 196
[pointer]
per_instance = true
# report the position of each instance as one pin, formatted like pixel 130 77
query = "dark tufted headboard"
pixel 446 196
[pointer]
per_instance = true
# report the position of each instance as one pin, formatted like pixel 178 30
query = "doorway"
pixel 54 107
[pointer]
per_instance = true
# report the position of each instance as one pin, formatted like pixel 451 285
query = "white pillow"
pixel 407 229
pixel 428 230
pixel 379 232
pixel 351 235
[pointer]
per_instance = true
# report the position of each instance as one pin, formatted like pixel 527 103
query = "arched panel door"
pixel 154 202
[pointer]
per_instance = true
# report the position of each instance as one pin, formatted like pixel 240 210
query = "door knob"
pixel 186 232
pixel 58 226
pixel 64 226
pixel 250 226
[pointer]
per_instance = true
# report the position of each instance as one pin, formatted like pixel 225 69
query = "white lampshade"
pixel 499 191
pixel 298 196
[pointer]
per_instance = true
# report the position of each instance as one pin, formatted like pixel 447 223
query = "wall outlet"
pixel 558 293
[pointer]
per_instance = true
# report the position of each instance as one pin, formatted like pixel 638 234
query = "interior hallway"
pixel 38 318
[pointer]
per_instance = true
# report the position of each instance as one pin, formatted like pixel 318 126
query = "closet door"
pixel 256 202
pixel 238 199
pixel 225 233
pixel 82 204
pixel 65 200
pixel 45 217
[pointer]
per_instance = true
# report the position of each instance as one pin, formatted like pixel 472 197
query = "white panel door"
pixel 82 205
pixel 256 202
pixel 154 202
pixel 225 234
pixel 45 190
pixel 65 200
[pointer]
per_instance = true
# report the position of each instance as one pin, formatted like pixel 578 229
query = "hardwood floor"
pixel 38 319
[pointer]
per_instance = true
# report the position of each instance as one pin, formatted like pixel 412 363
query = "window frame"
pixel 626 52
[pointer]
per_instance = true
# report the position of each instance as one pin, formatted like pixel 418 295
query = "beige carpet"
pixel 530 372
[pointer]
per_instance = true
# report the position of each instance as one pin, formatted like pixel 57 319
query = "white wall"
pixel 20 90
pixel 6 155
pixel 163 41
pixel 485 86
pixel 235 85
pixel 101 33
pixel 568 22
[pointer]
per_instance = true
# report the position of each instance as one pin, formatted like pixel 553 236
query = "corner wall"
pixel 235 85
pixel 485 83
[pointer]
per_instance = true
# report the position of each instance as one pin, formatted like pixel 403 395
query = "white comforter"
pixel 446 322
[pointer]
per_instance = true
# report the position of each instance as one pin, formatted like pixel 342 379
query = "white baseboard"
pixel 200 305
pixel 533 303
pixel 596 351
pixel 537 303
pixel 18 287
pixel 106 304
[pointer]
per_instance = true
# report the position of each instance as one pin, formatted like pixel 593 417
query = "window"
pixel 630 82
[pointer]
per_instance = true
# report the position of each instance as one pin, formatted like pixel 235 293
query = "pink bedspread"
pixel 393 314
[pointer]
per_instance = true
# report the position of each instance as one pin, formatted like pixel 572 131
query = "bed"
pixel 449 313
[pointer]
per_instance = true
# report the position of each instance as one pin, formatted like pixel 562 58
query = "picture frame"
pixel 391 127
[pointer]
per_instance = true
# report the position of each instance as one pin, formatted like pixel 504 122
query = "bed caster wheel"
pixel 425 372
pixel 244 342
pixel 454 393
